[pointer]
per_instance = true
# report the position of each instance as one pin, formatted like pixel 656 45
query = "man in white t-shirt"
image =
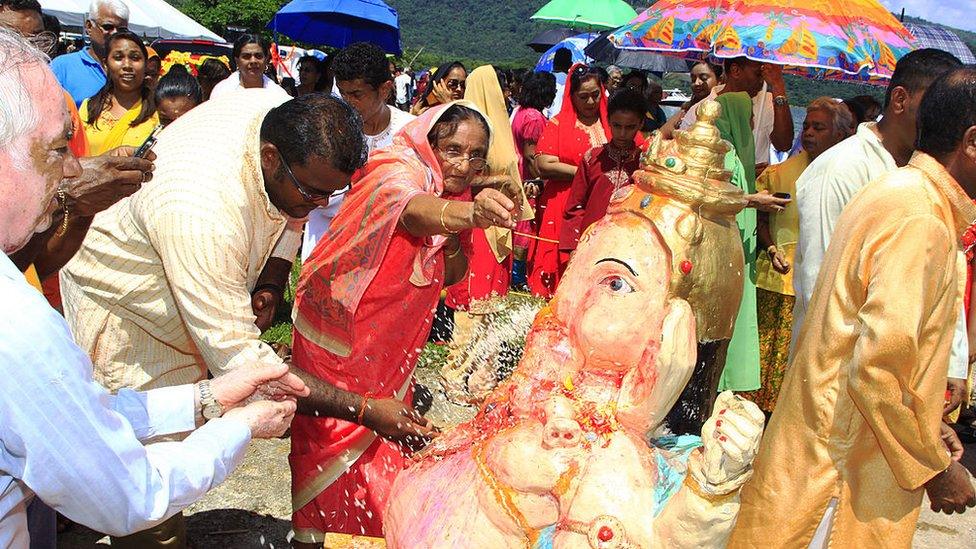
pixel 403 82
pixel 772 120
pixel 362 74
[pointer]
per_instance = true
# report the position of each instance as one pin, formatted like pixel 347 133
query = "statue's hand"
pixel 730 440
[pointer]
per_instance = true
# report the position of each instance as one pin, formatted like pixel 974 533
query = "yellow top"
pixel 106 136
pixel 31 275
pixel 784 226
pixel 859 412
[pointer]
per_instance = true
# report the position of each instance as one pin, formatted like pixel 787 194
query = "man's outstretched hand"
pixel 106 179
pixel 265 382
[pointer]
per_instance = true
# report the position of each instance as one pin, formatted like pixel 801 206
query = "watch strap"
pixel 209 406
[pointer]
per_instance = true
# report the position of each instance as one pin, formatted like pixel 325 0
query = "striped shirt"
pixel 160 290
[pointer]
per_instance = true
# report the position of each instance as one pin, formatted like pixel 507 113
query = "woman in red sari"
pixel 490 259
pixel 363 309
pixel 580 125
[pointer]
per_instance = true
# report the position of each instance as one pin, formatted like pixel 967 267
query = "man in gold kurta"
pixel 857 426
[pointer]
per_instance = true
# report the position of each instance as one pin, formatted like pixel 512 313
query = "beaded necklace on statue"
pixel 619 176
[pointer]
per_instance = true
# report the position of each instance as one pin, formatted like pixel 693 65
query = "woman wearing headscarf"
pixel 580 125
pixel 446 84
pixel 363 309
pixel 490 258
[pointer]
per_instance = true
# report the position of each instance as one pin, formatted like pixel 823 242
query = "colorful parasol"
pixel 857 40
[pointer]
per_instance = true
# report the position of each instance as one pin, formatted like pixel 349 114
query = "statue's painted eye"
pixel 617 284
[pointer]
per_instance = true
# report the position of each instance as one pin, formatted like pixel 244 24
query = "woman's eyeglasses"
pixel 455 157
pixel 454 84
pixel 310 195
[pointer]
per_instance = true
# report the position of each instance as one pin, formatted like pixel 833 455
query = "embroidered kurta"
pixel 859 413
pixel 598 176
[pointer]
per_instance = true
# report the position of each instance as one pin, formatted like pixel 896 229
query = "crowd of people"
pixel 140 283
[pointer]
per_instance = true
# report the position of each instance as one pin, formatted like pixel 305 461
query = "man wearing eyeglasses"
pixel 81 72
pixel 160 291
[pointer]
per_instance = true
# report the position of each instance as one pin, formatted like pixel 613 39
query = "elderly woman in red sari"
pixel 580 125
pixel 364 306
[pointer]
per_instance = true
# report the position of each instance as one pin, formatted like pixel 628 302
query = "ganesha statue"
pixel 567 452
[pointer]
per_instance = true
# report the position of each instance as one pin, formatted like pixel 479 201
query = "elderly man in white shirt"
pixel 63 438
pixel 832 180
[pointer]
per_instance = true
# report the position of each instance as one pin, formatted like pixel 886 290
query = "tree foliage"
pixel 217 15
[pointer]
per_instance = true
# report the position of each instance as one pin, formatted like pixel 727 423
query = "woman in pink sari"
pixel 363 309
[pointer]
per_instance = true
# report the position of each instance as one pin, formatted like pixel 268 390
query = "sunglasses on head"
pixel 454 84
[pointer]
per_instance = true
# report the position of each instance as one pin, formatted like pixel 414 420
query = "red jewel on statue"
pixel 605 534
pixel 686 266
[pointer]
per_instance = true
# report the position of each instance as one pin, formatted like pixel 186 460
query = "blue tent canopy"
pixel 338 23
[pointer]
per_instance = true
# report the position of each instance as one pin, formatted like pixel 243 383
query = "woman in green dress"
pixel 742 358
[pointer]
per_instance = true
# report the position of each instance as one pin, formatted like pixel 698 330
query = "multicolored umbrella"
pixel 575 45
pixel 856 40
pixel 591 14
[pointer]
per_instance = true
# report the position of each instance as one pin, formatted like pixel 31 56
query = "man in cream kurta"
pixel 160 290
pixel 857 422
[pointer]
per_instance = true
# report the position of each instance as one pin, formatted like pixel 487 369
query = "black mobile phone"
pixel 143 149
pixel 782 195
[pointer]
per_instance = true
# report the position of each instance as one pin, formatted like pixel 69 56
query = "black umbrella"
pixel 603 50
pixel 549 38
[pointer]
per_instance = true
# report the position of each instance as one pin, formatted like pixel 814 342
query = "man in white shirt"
pixel 63 438
pixel 832 180
pixel 772 120
pixel 403 82
pixel 362 74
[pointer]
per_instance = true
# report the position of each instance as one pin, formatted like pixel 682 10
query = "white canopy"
pixel 152 18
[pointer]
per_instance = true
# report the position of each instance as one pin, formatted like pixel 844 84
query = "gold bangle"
pixel 716 499
pixel 63 199
pixel 455 253
pixel 443 224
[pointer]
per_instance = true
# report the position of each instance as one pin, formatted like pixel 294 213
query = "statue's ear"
pixel 652 388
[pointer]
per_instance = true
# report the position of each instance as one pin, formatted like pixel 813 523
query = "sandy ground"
pixel 252 508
